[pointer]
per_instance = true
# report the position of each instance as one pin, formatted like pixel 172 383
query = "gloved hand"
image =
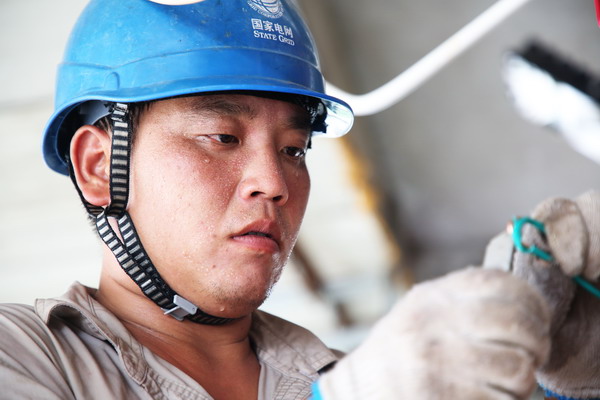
pixel 573 239
pixel 473 334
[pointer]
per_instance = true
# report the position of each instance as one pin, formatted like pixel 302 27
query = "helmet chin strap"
pixel 129 251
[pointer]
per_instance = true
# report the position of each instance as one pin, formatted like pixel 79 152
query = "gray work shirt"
pixel 72 347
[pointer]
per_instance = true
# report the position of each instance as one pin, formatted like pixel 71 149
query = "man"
pixel 198 200
pixel 184 129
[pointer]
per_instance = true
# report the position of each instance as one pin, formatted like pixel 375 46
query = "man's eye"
pixel 295 152
pixel 225 139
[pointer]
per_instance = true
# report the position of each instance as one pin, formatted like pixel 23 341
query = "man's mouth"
pixel 261 236
pixel 255 233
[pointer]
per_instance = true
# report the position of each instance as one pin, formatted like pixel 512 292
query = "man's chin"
pixel 237 298
pixel 239 305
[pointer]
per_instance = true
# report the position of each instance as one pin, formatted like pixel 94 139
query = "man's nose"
pixel 264 177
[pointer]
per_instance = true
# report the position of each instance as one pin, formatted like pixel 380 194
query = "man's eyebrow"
pixel 220 106
pixel 301 121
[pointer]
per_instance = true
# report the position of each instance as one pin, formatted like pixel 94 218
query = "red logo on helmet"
pixel 598 11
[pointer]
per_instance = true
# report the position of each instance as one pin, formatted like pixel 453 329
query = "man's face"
pixel 218 191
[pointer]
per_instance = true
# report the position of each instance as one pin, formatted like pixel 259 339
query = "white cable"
pixel 409 80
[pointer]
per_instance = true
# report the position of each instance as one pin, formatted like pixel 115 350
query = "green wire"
pixel 587 286
pixel 518 227
pixel 516 234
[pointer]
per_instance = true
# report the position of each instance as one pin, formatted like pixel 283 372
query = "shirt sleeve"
pixel 29 362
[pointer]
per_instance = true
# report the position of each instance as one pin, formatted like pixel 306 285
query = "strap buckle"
pixel 182 308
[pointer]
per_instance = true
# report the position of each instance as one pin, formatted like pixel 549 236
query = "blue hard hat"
pixel 138 50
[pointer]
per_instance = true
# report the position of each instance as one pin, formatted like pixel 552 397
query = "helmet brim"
pixel 339 120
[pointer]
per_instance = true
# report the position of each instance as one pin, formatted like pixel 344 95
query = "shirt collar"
pixel 284 346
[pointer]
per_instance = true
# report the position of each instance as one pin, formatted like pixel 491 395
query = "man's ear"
pixel 90 156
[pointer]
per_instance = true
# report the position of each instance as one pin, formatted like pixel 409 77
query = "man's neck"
pixel 214 356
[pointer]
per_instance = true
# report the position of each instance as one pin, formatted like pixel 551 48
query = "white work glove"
pixel 573 239
pixel 473 334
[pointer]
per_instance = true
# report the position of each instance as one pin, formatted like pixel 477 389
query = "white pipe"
pixel 409 80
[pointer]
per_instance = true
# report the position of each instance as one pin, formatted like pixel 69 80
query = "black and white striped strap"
pixel 130 252
pixel 135 262
pixel 119 160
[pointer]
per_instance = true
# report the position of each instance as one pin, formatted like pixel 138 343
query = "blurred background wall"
pixel 454 161
pixel 412 193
